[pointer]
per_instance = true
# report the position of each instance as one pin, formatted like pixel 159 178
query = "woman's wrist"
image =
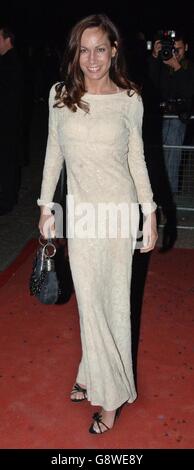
pixel 45 210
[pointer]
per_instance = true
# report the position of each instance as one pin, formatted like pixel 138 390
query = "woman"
pixel 95 125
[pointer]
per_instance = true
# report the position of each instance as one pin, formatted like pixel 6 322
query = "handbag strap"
pixel 45 246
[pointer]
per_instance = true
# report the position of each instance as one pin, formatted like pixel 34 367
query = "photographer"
pixel 172 75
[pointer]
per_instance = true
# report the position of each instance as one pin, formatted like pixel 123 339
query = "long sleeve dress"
pixel 103 152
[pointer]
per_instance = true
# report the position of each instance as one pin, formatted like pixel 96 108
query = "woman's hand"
pixel 150 234
pixel 47 223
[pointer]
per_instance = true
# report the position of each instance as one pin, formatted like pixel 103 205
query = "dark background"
pixel 35 22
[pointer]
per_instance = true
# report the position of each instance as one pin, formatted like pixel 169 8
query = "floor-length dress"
pixel 103 151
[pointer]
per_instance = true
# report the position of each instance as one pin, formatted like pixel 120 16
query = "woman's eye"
pixel 82 51
pixel 101 49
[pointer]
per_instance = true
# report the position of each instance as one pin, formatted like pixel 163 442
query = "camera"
pixel 167 39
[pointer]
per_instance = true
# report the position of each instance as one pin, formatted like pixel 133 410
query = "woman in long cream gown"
pixel 95 123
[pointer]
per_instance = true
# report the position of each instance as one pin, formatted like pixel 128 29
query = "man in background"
pixel 11 120
pixel 172 75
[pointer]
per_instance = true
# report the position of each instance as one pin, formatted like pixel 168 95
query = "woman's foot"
pixel 78 393
pixel 103 421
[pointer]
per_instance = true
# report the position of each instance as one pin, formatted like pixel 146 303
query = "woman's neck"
pixel 101 87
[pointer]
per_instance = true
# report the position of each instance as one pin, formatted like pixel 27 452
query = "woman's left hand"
pixel 150 234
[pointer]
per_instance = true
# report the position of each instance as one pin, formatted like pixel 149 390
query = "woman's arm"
pixel 54 158
pixel 139 173
pixel 52 168
pixel 136 159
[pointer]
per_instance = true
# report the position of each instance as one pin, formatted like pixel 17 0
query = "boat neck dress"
pixel 103 153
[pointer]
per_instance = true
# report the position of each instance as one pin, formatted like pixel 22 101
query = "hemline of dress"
pixel 129 401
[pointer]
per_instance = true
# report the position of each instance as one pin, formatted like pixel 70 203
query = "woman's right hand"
pixel 47 223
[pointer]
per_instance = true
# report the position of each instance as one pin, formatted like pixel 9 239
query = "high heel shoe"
pixel 78 389
pixel 97 417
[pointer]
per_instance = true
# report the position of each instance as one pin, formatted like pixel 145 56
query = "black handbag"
pixel 51 280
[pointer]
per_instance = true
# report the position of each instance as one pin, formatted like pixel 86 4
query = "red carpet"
pixel 40 351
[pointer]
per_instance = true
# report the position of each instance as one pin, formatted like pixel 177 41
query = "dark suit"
pixel 11 128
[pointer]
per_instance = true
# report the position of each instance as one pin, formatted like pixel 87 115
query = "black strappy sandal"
pixel 77 388
pixel 97 417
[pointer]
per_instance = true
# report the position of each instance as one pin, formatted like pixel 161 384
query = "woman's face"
pixel 95 54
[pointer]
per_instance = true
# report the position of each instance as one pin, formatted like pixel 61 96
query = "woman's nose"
pixel 92 57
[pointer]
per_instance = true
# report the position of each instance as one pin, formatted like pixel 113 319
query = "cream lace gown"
pixel 104 158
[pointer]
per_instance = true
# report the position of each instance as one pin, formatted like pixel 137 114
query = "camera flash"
pixel 149 45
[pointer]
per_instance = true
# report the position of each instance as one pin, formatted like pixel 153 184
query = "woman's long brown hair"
pixel 69 92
